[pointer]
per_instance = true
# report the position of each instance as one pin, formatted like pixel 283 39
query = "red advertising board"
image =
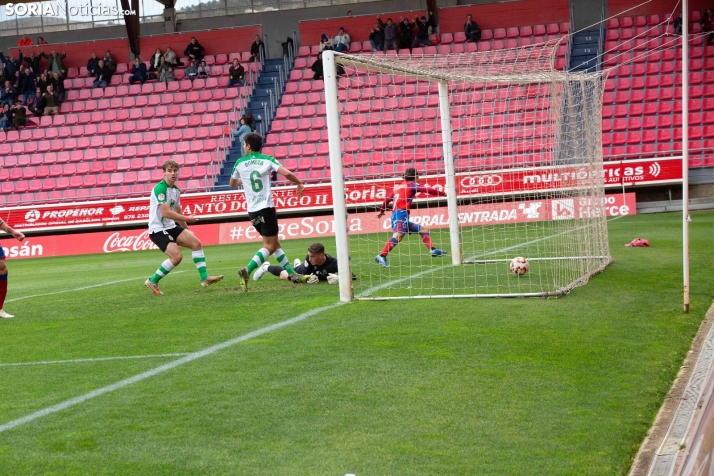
pixel 315 227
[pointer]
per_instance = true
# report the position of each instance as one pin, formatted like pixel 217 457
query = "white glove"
pixel 296 263
pixel 313 279
pixel 333 279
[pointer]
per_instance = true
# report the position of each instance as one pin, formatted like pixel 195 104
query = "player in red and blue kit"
pixel 402 197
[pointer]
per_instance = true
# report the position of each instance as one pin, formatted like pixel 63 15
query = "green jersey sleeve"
pixel 160 192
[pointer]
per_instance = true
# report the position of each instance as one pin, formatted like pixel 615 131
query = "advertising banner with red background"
pixel 319 197
pixel 316 227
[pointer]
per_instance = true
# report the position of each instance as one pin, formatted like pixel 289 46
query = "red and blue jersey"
pixel 404 193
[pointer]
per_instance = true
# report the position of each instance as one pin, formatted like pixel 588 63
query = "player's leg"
pixel 187 239
pixel 3 286
pixel 166 244
pixel 400 221
pixel 425 238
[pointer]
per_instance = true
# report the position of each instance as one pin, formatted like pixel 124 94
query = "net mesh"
pixel 527 154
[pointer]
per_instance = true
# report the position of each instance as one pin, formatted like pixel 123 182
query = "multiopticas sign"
pixel 59 9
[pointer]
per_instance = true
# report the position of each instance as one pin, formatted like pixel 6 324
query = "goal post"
pixel 514 144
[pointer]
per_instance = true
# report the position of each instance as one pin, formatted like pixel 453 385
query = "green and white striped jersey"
pixel 162 193
pixel 254 170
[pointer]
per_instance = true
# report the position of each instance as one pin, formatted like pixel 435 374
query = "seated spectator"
pixel 92 65
pixel 325 43
pixel 405 34
pixel 163 68
pixel 422 36
pixel 52 101
pixel 37 106
pixel 11 65
pixel 8 94
pixel 19 116
pixel 170 57
pixel 138 72
pixel 677 24
pixel 41 41
pixel 26 86
pixel 317 67
pixel 169 74
pixel 472 31
pixel 256 48
pixel 5 117
pixel 236 74
pixel 54 61
pixel 349 13
pixel 16 81
pixel 242 130
pixel 57 82
pixel 42 82
pixel 390 33
pixel 708 25
pixel 155 60
pixel 191 70
pixel 376 38
pixel 250 121
pixel 104 76
pixel 204 70
pixel 109 61
pixel 194 51
pixel 24 41
pixel 342 40
pixel 33 62
pixel 2 76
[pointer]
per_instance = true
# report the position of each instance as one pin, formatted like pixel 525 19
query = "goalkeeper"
pixel 318 266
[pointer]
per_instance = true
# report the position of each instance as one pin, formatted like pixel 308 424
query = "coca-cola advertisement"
pixel 320 226
pixel 319 197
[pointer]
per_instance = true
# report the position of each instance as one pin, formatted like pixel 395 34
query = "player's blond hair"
pixel 170 164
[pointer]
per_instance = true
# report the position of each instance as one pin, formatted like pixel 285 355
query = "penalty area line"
pixel 93 359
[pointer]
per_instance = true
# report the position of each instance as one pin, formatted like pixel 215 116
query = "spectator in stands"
pixel 405 34
pixel 390 33
pixel 57 82
pixel 242 130
pixel 52 101
pixel 191 70
pixel 236 74
pixel 341 41
pixel 471 29
pixel 162 68
pixel 256 48
pixel 92 65
pixel 708 25
pixel 170 57
pixel 109 61
pixel 19 116
pixel 376 38
pixel 204 70
pixel 422 36
pixel 42 82
pixel 37 106
pixel 5 117
pixel 317 67
pixel 325 43
pixel 54 61
pixel 12 65
pixel 138 71
pixel 33 62
pixel 41 41
pixel 8 94
pixel 24 41
pixel 250 121
pixel 16 80
pixel 155 60
pixel 349 13
pixel 194 50
pixel 104 76
pixel 2 76
pixel 169 74
pixel 26 85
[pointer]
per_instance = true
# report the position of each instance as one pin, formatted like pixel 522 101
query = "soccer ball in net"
pixel 519 266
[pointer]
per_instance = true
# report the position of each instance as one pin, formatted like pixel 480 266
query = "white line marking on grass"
pixel 189 358
pixel 79 289
pixel 93 359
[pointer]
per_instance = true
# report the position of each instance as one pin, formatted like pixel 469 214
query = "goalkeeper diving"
pixel 318 266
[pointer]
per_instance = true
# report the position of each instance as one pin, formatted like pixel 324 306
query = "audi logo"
pixel 481 181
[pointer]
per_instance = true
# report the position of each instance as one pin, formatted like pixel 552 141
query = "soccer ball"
pixel 519 266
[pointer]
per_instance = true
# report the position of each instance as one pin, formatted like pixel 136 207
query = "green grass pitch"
pixel 420 387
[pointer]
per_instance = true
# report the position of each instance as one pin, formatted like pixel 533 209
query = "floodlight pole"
pixel 685 151
pixel 454 233
pixel 337 176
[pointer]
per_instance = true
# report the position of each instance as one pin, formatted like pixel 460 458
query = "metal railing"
pixel 598 64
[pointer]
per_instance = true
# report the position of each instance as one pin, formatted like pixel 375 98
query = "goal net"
pixel 515 145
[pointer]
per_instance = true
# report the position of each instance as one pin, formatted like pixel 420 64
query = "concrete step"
pixel 675 205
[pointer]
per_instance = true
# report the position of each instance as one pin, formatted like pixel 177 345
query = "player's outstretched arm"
pixel 384 205
pixel 430 191
pixel 167 212
pixel 19 236
pixel 291 176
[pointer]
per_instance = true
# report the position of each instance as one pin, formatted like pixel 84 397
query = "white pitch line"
pixel 93 359
pixel 79 289
pixel 171 365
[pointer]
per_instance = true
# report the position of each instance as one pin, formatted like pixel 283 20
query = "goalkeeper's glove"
pixel 313 279
pixel 333 279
